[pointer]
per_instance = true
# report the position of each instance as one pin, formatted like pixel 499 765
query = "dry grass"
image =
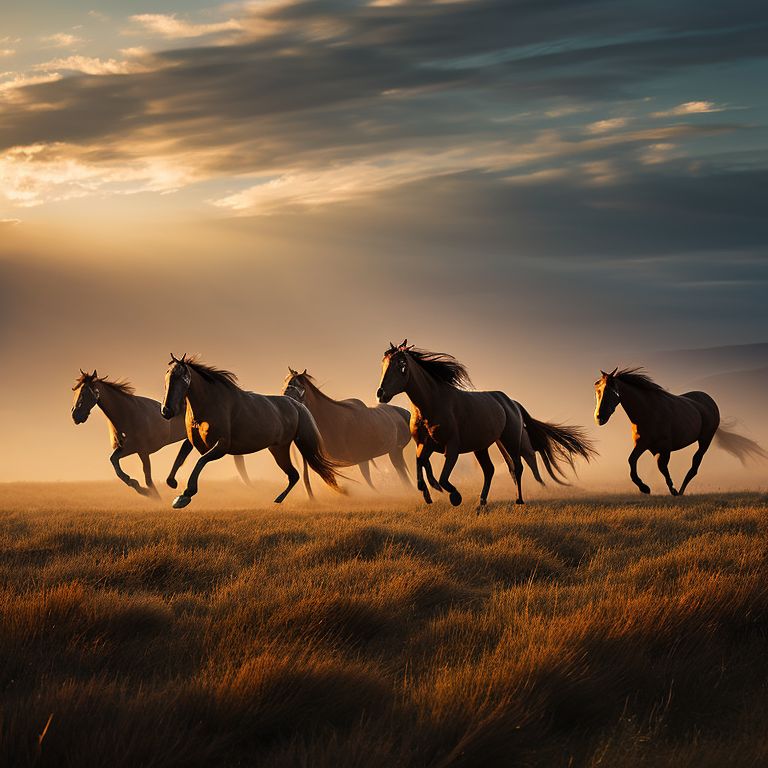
pixel 604 632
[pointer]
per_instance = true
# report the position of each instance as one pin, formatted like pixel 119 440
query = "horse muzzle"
pixel 166 412
pixel 383 396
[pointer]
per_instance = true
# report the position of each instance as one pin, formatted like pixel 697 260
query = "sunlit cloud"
pixel 605 126
pixel 61 40
pixel 13 83
pixel 7 52
pixel 41 173
pixel 690 108
pixel 90 65
pixel 171 27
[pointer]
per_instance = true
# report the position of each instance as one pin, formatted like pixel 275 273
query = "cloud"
pixel 6 53
pixel 606 126
pixel 171 27
pixel 690 108
pixel 62 40
pixel 90 65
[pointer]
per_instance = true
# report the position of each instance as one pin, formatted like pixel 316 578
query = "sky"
pixel 542 188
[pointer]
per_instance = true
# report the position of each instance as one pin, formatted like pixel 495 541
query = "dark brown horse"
pixel 221 418
pixel 663 422
pixel 460 421
pixel 353 433
pixel 135 426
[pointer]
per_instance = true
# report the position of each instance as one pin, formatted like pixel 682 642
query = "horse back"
pixel 706 405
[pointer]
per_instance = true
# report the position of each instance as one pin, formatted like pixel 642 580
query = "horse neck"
pixel 203 396
pixel 635 401
pixel 424 391
pixel 115 405
pixel 319 404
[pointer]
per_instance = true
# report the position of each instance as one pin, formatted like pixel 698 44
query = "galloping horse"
pixel 353 433
pixel 221 418
pixel 135 426
pixel 460 421
pixel 663 422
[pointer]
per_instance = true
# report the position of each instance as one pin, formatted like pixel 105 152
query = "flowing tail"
pixel 557 443
pixel 737 445
pixel 240 464
pixel 310 445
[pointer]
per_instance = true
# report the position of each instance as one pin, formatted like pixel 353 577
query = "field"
pixel 606 631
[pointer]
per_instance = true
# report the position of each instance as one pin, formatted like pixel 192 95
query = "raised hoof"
pixel 455 498
pixel 181 501
pixel 172 482
pixel 644 488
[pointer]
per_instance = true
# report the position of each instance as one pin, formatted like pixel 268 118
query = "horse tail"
pixel 310 445
pixel 240 464
pixel 557 443
pixel 737 445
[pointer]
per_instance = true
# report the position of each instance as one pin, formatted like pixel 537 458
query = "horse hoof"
pixel 519 501
pixel 172 482
pixel 644 488
pixel 427 498
pixel 181 501
pixel 673 491
pixel 455 498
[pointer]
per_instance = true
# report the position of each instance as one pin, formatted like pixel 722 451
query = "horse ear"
pixel 304 372
pixel 183 358
pixel 603 373
pixel 392 346
pixel 95 374
pixel 83 372
pixel 291 371
pixel 404 344
pixel 613 372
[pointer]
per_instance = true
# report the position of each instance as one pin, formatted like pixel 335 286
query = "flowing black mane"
pixel 638 378
pixel 122 386
pixel 213 374
pixel 441 366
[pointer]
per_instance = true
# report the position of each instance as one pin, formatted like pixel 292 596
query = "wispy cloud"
pixel 90 65
pixel 62 40
pixel 7 52
pixel 171 27
pixel 690 108
pixel 606 126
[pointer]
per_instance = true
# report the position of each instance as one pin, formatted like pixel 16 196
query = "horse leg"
pixel 422 461
pixel 365 471
pixel 398 462
pixel 307 484
pixel 637 452
pixel 147 467
pixel 695 464
pixel 216 452
pixel 184 450
pixel 117 454
pixel 662 461
pixel 242 471
pixel 282 456
pixel 484 460
pixel 451 457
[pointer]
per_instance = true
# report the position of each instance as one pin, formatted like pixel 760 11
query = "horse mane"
pixel 123 386
pixel 441 366
pixel 310 380
pixel 213 374
pixel 637 377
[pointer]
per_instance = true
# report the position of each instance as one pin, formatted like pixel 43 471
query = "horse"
pixel 663 422
pixel 458 421
pixel 135 426
pixel 222 418
pixel 353 433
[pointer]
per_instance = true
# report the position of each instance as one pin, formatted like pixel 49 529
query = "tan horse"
pixel 353 433
pixel 221 418
pixel 460 421
pixel 663 422
pixel 135 426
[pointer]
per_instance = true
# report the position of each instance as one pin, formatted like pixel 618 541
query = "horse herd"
pixel 205 408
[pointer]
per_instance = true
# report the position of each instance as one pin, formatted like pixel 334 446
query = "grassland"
pixel 613 631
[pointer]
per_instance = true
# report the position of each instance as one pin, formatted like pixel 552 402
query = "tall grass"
pixel 605 632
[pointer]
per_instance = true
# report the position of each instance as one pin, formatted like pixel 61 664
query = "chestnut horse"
pixel 222 418
pixel 353 433
pixel 135 426
pixel 460 421
pixel 663 422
